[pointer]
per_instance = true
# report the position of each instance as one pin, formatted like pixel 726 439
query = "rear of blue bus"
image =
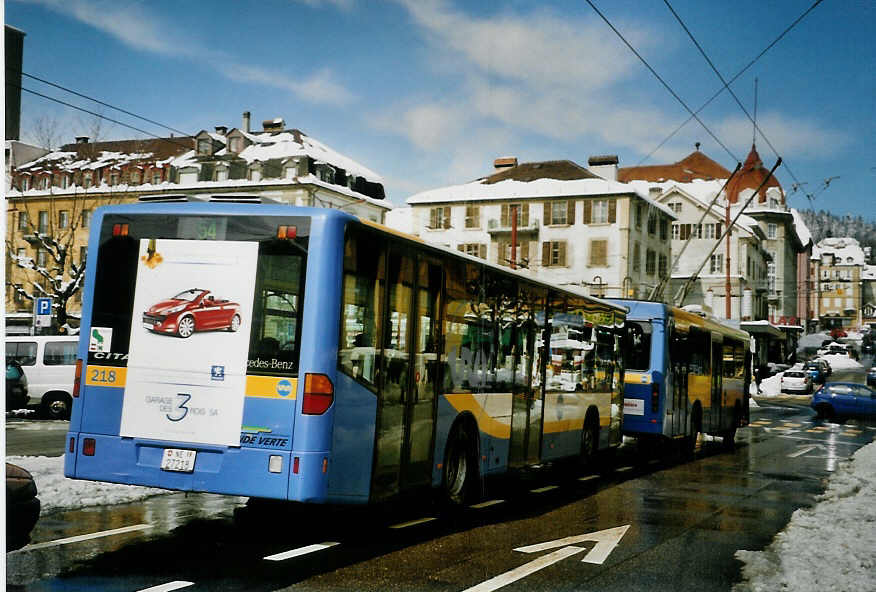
pixel 645 376
pixel 192 375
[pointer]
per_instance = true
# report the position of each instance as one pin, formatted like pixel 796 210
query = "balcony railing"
pixel 496 226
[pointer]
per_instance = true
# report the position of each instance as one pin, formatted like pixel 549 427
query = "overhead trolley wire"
pixel 98 101
pixel 101 116
pixel 727 84
pixel 731 81
pixel 663 82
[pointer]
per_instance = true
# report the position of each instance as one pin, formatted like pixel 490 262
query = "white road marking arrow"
pixel 524 570
pixel 606 541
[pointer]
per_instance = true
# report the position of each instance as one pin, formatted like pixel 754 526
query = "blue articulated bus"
pixel 685 375
pixel 304 354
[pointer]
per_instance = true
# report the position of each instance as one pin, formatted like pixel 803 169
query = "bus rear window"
pixel 638 352
pixel 212 282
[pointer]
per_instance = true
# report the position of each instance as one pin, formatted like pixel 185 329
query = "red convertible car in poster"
pixel 190 311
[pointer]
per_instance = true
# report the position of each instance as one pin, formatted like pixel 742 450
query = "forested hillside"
pixel 823 224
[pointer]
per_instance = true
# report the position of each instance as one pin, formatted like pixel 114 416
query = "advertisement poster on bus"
pixel 189 341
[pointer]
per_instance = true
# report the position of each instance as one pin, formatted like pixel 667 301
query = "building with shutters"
pixel 574 225
pixel 839 269
pixel 53 195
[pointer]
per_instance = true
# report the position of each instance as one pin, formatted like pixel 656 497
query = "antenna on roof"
pixel 754 121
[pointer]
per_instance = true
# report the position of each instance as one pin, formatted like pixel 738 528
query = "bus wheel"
pixel 460 468
pixel 56 406
pixel 728 441
pixel 186 327
pixel 589 442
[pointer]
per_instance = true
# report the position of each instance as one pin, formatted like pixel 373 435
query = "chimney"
pixel 604 165
pixel 654 193
pixel 221 130
pixel 82 139
pixel 273 125
pixel 505 162
pixel 246 121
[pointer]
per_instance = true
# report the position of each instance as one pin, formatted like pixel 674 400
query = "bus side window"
pixel 358 355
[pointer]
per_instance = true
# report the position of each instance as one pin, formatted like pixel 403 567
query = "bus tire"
pixel 589 441
pixel 728 440
pixel 460 481
pixel 57 405
pixel 186 326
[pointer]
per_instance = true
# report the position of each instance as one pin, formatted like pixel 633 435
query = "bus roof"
pixel 643 310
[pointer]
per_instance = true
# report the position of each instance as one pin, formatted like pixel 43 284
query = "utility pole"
pixel 727 287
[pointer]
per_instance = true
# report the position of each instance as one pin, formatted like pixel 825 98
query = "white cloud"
pixel 142 30
pixel 342 4
pixel 790 136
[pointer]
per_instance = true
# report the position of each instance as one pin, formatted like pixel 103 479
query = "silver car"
pixel 796 381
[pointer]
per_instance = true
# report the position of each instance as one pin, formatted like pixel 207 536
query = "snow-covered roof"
pixel 537 189
pixel 801 229
pixel 846 250
pixel 701 193
pixel 869 272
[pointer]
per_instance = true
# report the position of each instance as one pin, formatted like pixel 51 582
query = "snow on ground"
pixel 841 362
pixel 826 547
pixel 56 492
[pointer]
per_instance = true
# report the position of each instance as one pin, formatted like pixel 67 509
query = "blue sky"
pixel 428 93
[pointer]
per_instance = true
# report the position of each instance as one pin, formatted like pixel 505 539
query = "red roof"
pixel 695 165
pixel 750 176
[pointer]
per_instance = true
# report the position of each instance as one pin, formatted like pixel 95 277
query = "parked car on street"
pixel 796 381
pixel 22 506
pixel 50 364
pixel 871 376
pixel 775 368
pixel 841 400
pixel 192 310
pixel 16 386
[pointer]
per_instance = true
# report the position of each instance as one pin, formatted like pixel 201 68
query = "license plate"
pixel 175 459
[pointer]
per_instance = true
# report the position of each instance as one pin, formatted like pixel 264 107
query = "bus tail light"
pixel 319 393
pixel 72 445
pixel 77 378
pixel 296 465
pixel 88 446
pixel 655 397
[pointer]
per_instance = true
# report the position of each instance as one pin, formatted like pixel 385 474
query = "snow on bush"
pixel 827 547
pixel 57 492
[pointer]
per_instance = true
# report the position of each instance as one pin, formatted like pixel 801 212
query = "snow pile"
pixel 841 362
pixel 56 492
pixel 827 547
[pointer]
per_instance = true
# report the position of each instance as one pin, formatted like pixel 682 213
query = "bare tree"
pixel 46 132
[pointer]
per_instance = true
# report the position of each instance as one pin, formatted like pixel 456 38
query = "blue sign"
pixel 43 306
pixel 217 372
pixel 284 388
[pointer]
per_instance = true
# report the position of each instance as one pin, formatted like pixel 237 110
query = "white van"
pixel 49 363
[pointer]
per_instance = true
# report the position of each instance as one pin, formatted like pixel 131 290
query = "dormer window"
pixel 255 172
pixel 25 183
pixel 135 177
pixel 156 177
pixel 86 180
pixel 114 178
pixel 326 173
pixel 235 144
pixel 205 146
pixel 222 173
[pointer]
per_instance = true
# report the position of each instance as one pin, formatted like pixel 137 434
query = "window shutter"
pixel 570 211
pixel 482 251
pixel 460 247
pixel 718 230
pixel 523 253
pixel 447 217
pixel 524 214
pixel 546 254
pixel 612 211
pixel 547 213
pixel 505 221
pixel 588 205
pixel 562 261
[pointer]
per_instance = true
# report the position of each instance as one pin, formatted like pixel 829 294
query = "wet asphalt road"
pixel 685 521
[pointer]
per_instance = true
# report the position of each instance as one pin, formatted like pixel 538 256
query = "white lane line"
pixel 654 461
pixel 85 537
pixel 544 489
pixel 802 451
pixel 524 570
pixel 588 478
pixel 300 551
pixel 486 504
pixel 413 522
pixel 623 469
pixel 168 586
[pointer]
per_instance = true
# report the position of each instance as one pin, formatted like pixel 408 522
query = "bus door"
pixel 717 398
pixel 405 416
pixel 526 406
pixel 678 358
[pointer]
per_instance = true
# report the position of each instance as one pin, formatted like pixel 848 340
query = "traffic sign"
pixel 42 312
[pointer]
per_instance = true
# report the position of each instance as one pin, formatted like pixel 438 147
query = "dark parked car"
pixel 16 386
pixel 190 311
pixel 22 507
pixel 844 400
